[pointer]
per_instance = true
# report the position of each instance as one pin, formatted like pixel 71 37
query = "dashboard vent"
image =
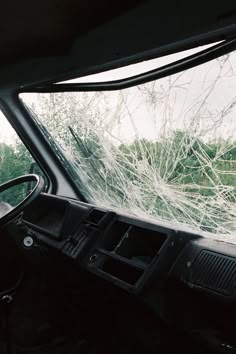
pixel 74 244
pixel 215 272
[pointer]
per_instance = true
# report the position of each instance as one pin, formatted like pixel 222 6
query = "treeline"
pixel 179 159
pixel 178 178
pixel 15 161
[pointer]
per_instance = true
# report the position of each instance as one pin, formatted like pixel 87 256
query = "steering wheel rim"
pixel 5 219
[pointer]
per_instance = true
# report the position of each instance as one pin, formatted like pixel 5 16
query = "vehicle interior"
pixel 118 193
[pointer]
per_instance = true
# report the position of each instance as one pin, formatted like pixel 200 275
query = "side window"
pixel 15 161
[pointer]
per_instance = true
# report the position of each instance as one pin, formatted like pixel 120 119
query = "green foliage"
pixel 15 161
pixel 200 171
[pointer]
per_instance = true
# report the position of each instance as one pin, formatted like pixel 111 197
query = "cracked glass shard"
pixel 164 150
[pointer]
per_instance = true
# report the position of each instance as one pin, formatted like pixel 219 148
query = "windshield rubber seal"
pixel 180 65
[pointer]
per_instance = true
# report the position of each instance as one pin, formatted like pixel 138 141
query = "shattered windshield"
pixel 164 150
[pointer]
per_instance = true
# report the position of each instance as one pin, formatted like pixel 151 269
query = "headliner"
pixel 58 39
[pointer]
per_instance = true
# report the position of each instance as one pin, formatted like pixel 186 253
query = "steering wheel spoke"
pixel 8 212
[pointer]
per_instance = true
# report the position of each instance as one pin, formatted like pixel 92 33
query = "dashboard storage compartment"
pixel 140 244
pixel 115 235
pixel 95 216
pixel 122 271
pixel 127 253
pixel 133 242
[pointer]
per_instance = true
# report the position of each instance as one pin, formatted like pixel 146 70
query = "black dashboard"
pixel 130 252
pixel 178 274
pixel 123 250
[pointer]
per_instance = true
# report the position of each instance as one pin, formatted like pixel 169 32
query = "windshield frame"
pixel 186 63
pixel 181 65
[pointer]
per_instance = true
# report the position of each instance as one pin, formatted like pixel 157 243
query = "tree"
pixel 177 177
pixel 14 162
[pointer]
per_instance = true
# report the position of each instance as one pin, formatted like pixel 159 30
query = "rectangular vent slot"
pixel 74 244
pixel 214 271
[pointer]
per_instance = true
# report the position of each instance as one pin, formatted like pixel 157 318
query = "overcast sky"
pixel 185 100
pixel 201 100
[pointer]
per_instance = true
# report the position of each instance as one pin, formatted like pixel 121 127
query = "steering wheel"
pixel 14 211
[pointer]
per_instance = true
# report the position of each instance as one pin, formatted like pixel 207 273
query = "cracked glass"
pixel 164 150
